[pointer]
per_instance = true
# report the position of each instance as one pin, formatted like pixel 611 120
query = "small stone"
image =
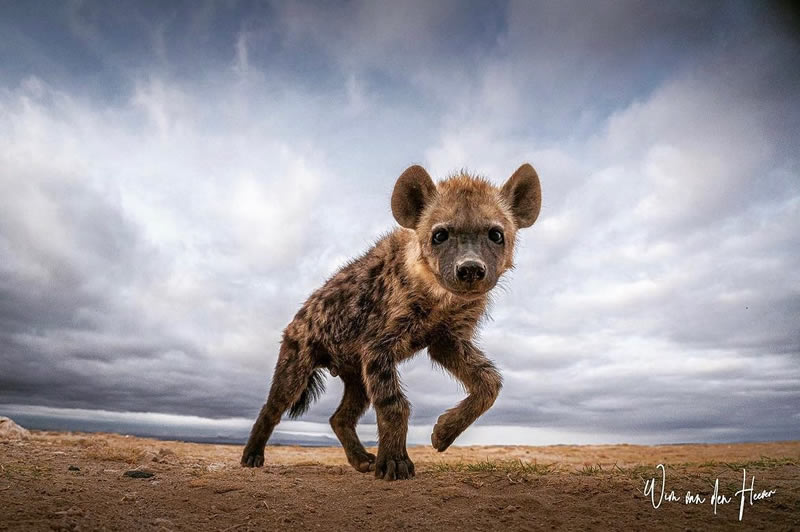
pixel 216 466
pixel 71 511
pixel 73 468
pixel 137 473
pixel 147 456
pixel 165 456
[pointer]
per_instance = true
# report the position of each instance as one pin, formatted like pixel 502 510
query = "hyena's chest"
pixel 414 325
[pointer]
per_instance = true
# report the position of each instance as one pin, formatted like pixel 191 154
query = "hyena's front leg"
pixel 392 410
pixel 480 377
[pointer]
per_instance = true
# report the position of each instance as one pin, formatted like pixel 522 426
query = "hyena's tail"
pixel 313 390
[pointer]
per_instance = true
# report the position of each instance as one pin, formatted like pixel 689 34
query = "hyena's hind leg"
pixel 343 421
pixel 294 384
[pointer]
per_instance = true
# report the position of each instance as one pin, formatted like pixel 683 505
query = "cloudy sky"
pixel 176 179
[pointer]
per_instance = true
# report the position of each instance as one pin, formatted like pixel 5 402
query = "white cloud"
pixel 154 244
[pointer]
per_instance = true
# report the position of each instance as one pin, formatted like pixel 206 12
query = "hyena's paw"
pixel 361 460
pixel 253 456
pixel 444 433
pixel 397 467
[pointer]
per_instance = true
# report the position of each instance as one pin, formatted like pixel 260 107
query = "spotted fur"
pixel 402 296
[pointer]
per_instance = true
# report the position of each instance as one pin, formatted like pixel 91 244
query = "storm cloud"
pixel 175 180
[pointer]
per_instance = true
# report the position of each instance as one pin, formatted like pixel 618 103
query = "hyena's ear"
pixel 524 194
pixel 413 190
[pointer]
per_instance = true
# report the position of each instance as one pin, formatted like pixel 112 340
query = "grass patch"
pixel 499 466
pixel 765 462
pixel 591 470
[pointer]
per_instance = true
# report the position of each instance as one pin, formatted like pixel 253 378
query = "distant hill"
pixel 188 433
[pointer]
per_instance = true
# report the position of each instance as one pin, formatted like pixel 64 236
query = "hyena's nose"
pixel 470 271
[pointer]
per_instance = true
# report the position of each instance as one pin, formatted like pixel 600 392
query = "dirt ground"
pixel 70 481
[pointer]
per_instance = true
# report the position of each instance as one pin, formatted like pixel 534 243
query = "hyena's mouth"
pixel 460 290
pixel 468 293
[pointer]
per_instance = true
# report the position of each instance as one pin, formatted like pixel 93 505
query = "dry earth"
pixel 76 482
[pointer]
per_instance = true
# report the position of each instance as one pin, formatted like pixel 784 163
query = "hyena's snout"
pixel 470 271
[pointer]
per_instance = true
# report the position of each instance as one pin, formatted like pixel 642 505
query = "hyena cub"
pixel 424 285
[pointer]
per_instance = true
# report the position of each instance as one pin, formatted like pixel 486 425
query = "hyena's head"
pixel 465 226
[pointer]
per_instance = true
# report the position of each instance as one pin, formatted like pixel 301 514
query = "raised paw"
pixel 252 457
pixel 394 468
pixel 444 434
pixel 361 460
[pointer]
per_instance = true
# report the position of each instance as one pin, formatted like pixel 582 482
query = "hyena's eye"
pixel 496 236
pixel 440 235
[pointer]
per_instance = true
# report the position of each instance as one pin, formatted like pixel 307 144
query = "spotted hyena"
pixel 424 285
